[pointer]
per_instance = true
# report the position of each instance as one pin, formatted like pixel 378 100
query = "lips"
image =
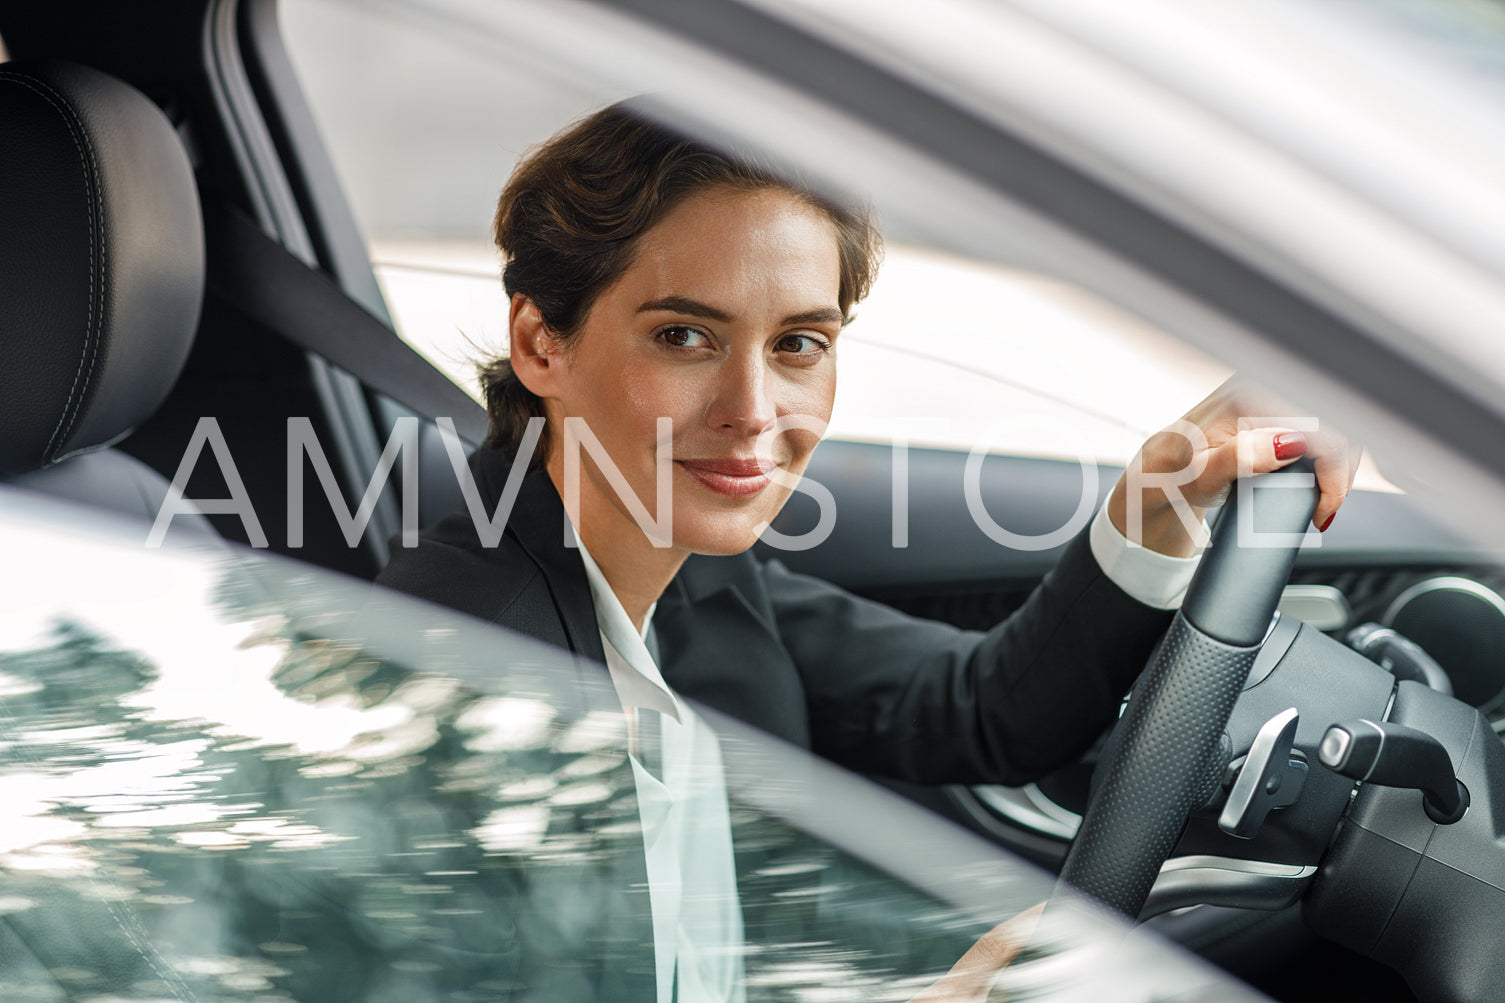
pixel 732 477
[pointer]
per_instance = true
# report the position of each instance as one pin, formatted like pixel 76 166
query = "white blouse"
pixel 681 789
pixel 687 831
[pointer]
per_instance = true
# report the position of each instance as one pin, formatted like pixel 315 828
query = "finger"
pixel 1002 944
pixel 1250 451
pixel 1262 450
pixel 1267 449
pixel 972 976
pixel 1336 467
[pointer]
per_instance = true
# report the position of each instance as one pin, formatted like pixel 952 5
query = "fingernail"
pixel 1289 445
pixel 1323 528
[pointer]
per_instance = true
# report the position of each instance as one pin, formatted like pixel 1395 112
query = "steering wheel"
pixel 1166 757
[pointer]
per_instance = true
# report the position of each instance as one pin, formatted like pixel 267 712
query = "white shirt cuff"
pixel 1149 576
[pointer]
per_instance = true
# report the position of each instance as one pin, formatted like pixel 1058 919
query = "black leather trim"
pixel 101 261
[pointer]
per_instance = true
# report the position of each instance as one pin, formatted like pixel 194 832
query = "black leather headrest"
pixel 101 261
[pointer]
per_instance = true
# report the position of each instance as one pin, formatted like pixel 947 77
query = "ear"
pixel 535 359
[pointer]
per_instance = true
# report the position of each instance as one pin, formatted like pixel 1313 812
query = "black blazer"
pixel 857 682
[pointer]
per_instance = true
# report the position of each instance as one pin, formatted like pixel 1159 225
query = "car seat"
pixel 101 283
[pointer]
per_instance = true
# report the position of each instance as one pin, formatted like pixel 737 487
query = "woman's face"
pixel 725 322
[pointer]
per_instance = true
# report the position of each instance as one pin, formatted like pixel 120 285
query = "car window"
pixel 233 779
pixel 424 135
pixel 982 347
pixel 981 355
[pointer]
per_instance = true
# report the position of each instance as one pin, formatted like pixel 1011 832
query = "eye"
pixel 803 345
pixel 682 337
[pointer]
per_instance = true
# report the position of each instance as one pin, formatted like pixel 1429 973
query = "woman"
pixel 669 302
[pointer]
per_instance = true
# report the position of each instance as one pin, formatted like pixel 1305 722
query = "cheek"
pixel 649 393
pixel 811 394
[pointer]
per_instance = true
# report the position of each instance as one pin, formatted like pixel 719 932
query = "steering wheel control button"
pixel 1272 776
pixel 1334 748
pixel 1321 606
pixel 1393 755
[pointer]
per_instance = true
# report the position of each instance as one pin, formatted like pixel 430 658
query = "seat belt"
pixel 262 280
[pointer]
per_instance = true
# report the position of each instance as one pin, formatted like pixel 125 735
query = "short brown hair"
pixel 570 217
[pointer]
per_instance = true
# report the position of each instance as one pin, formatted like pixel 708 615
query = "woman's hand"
pixel 1192 464
pixel 972 977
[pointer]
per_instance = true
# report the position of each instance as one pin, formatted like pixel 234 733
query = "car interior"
pixel 110 284
pixel 179 248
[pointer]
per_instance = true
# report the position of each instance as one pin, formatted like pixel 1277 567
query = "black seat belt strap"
pixel 262 280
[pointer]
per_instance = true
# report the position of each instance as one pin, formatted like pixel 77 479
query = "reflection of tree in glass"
pixel 351 874
pixel 72 755
pixel 472 847
pixel 72 675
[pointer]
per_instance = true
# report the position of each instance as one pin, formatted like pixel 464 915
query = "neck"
pixel 637 571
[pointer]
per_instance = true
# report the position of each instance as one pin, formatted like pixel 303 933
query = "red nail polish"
pixel 1323 528
pixel 1289 445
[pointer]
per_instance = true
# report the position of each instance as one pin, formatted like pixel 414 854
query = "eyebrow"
pixel 685 305
pixel 695 308
pixel 820 315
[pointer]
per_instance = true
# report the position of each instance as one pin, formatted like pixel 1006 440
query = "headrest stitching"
pixel 90 163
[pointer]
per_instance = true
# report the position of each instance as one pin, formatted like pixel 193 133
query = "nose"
pixel 743 404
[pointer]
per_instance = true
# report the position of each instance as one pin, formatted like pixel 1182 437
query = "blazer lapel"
pixel 537 522
pixel 719 651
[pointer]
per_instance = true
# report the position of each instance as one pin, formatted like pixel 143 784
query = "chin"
pixel 719 540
